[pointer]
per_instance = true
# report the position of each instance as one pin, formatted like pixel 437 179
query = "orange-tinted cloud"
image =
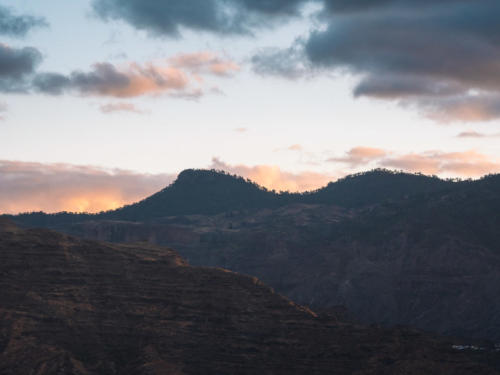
pixel 295 147
pixel 181 76
pixel 205 62
pixel 360 155
pixel 475 134
pixel 457 164
pixel 272 177
pixel 467 108
pixel 462 164
pixel 61 187
pixel 134 80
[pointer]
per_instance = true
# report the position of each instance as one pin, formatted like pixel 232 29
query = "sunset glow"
pixel 292 95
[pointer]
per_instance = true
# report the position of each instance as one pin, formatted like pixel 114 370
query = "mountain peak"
pixel 207 176
pixel 200 191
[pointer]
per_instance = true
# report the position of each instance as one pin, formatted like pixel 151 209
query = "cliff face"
pixel 82 307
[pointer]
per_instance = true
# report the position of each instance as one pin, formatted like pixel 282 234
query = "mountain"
pixel 376 186
pixel 71 306
pixel 393 248
pixel 213 192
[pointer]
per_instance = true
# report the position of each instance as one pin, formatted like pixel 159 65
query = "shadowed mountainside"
pixel 74 306
pixel 391 247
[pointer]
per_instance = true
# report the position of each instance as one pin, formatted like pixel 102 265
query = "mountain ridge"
pixel 199 191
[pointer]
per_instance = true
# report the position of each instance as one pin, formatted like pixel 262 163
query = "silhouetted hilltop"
pixel 376 186
pixel 212 192
pixel 200 192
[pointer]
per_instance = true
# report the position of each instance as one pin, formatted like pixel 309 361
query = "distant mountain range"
pixel 72 306
pixel 394 248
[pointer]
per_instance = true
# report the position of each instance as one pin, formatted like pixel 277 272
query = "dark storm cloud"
pixel 456 42
pixel 18 25
pixel 217 16
pixel 440 56
pixel 16 65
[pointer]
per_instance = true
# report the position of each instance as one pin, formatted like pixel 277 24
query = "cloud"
pixel 457 164
pixel 240 130
pixel 51 83
pixel 120 107
pixel 62 187
pixel 464 108
pixel 471 134
pixel 107 80
pixel 359 156
pixel 475 134
pixel 179 77
pixel 440 57
pixel 224 17
pixel 16 66
pixel 295 147
pixel 464 164
pixel 289 63
pixel 205 62
pixel 15 25
pixel 272 177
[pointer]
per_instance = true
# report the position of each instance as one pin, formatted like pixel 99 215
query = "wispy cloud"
pixel 295 147
pixel 120 107
pixel 205 63
pixel 475 134
pixel 360 155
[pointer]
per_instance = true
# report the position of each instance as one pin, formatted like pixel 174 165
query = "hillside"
pixel 393 249
pixel 82 307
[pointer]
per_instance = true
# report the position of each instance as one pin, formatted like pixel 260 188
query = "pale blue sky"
pixel 318 113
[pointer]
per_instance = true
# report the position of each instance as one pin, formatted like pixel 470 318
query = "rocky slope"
pixel 70 306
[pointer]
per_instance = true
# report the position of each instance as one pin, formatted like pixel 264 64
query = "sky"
pixel 104 102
